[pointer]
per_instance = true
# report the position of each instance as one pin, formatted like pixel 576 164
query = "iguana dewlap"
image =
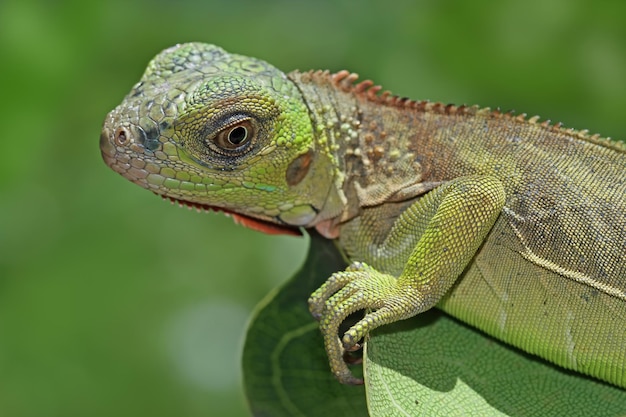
pixel 514 226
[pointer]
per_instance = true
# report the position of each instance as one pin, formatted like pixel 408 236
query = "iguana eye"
pixel 236 136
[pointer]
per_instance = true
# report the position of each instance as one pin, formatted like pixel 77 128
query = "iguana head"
pixel 217 130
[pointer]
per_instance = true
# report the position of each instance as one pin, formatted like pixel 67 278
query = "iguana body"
pixel 514 226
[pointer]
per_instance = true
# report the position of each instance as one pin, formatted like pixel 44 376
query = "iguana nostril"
pixel 122 136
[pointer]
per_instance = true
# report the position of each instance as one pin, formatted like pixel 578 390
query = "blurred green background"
pixel 113 303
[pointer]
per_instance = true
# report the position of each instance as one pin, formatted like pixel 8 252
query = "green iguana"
pixel 515 226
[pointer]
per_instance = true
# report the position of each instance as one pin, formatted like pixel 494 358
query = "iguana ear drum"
pixel 298 168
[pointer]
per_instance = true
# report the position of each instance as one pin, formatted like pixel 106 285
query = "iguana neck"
pixel 371 137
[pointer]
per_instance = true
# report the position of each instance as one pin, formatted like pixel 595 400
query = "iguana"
pixel 515 226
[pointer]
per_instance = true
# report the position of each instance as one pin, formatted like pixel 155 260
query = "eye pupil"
pixel 237 135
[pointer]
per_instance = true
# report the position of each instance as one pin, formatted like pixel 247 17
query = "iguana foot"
pixel 359 287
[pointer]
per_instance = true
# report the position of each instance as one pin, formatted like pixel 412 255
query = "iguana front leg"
pixel 450 224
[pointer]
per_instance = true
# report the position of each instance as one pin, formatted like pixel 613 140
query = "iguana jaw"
pixel 246 221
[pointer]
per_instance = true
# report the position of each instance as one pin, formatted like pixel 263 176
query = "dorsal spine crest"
pixel 347 82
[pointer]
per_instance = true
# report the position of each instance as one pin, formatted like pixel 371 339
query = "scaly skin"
pixel 513 226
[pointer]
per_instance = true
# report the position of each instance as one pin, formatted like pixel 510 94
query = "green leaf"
pixel 428 365
pixel 434 365
pixel 285 367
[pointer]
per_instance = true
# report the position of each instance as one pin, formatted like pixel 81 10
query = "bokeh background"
pixel 113 303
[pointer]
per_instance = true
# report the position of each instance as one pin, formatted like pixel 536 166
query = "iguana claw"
pixel 357 288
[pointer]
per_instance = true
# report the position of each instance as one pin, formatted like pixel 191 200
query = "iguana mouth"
pixel 246 221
